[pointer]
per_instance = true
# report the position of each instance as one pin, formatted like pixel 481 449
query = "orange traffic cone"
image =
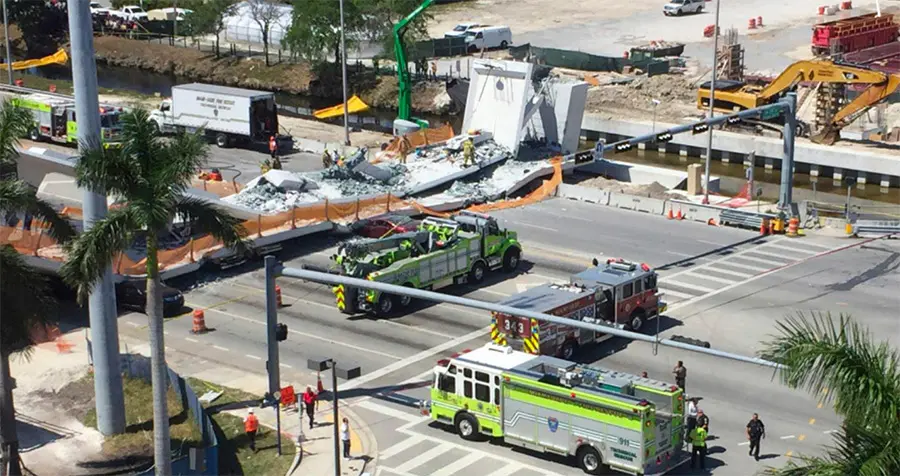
pixel 679 216
pixel 63 346
pixel 711 222
pixel 670 215
pixel 763 229
pixel 278 296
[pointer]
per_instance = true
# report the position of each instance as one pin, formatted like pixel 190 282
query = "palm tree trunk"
pixel 159 372
pixel 8 435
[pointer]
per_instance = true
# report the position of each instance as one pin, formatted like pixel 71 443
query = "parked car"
pixel 132 295
pixel 488 37
pixel 460 30
pixel 99 11
pixel 680 7
pixel 379 227
pixel 131 13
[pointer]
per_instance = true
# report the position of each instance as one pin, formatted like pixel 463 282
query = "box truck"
pixel 228 115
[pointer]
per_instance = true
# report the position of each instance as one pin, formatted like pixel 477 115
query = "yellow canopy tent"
pixel 60 57
pixel 355 104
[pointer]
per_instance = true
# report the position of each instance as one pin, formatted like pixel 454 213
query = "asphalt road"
pixel 715 279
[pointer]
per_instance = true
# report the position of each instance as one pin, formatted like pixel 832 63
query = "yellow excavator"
pixel 732 96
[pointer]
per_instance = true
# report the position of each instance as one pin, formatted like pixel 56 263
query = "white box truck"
pixel 229 115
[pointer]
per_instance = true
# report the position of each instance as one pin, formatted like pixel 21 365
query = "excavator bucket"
pixel 827 136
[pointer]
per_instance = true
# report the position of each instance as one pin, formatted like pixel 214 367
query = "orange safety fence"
pixel 219 188
pixel 420 138
pixel 36 242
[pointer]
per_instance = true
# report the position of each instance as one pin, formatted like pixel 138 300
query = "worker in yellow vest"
pixel 698 446
pixel 468 152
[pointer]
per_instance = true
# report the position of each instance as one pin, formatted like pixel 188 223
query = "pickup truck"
pixel 130 13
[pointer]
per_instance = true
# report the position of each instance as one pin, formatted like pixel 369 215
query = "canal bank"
pixel 869 165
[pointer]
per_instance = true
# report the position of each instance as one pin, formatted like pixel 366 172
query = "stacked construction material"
pixel 853 34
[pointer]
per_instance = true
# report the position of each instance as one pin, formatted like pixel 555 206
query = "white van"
pixel 460 30
pixel 488 37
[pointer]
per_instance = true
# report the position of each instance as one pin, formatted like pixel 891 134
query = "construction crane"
pixel 404 100
pixel 736 96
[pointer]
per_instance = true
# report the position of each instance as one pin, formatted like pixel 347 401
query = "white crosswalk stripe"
pixel 398 448
pixel 669 292
pixel 699 274
pixel 767 261
pixel 780 256
pixel 423 458
pixel 458 465
pixel 728 271
pixel 689 287
pixel 746 266
pixel 790 248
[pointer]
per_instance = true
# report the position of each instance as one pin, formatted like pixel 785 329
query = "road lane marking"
pixel 423 458
pixel 711 278
pixel 539 227
pixel 399 447
pixel 728 271
pixel 311 336
pixel 801 437
pixel 191 340
pixel 745 443
pixel 713 243
pixel 789 453
pixel 820 405
pixel 774 255
pixel 414 328
pixel 252 356
pixel 399 415
pixel 689 287
pixel 509 469
pixel 677 294
pixel 788 437
pixel 828 432
pixel 406 362
pixel 812 421
pixel 284 365
pixel 458 465
pixel 496 293
pixel 767 261
pixel 218 347
pixel 165 332
pixel 745 266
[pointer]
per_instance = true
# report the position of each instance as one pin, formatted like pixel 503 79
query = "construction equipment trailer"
pixel 442 252
pixel 54 119
pixel 617 292
pixel 601 417
pixel 734 96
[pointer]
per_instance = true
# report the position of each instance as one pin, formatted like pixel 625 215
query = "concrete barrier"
pixel 585 194
pixel 694 211
pixel 653 206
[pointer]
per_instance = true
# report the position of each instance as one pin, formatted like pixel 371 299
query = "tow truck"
pixel 601 417
pixel 617 292
pixel 54 119
pixel 440 253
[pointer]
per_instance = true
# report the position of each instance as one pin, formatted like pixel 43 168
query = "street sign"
pixel 771 113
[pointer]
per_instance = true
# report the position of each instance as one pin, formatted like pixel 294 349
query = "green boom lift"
pixel 404 81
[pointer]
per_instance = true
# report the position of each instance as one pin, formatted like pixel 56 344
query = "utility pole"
pixel 110 401
pixel 175 22
pixel 272 364
pixel 786 196
pixel 344 76
pixel 9 68
pixel 712 104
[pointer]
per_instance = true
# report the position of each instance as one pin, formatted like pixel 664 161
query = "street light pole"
pixel 712 103
pixel 344 77
pixel 655 103
pixel 9 68
pixel 334 413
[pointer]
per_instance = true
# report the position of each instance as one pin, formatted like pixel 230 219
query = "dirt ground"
pixel 677 95
pixel 652 190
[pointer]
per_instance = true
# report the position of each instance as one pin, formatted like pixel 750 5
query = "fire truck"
pixel 600 417
pixel 54 119
pixel 617 292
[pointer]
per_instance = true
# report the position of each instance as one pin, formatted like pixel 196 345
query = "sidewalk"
pixel 56 446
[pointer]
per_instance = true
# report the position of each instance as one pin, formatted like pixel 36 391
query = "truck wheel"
pixel 34 135
pixel 636 321
pixel 476 274
pixel 405 301
pixel 511 260
pixel 504 45
pixel 466 426
pixel 589 460
pixel 222 140
pixel 568 350
pixel 385 305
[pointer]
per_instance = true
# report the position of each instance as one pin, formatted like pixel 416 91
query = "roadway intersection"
pixel 724 285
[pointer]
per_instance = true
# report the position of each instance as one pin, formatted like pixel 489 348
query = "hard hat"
pixel 251 411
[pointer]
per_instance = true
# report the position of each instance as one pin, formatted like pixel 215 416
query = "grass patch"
pixel 235 456
pixel 63 86
pixel 137 441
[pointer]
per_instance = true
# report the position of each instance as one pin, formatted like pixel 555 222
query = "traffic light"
pixel 281 332
pixel 733 120
pixel 584 157
pixel 700 128
pixel 623 147
pixel 664 137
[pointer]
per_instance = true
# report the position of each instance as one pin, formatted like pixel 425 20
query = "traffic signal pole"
pixel 272 364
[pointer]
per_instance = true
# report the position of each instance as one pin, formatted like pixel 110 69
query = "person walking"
pixel 756 430
pixel 251 424
pixel 273 147
pixel 345 437
pixel 680 374
pixel 691 415
pixel 309 401
pixel 698 447
pixel 405 148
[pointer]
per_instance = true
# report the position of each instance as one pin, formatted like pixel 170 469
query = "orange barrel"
pixel 199 322
pixel 822 10
pixel 751 24
pixel 278 295
pixel 759 22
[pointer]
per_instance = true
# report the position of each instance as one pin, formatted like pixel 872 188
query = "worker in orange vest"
pixel 251 424
pixel 273 147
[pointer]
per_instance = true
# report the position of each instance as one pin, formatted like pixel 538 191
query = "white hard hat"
pixel 251 411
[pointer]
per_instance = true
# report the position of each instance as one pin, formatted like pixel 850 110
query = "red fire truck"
pixel 617 292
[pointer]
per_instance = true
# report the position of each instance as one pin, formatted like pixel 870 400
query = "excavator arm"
pixel 404 102
pixel 822 72
pixel 873 95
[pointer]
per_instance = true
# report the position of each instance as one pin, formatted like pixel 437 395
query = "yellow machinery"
pixel 734 96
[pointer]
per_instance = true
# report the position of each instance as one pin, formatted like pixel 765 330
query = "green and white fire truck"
pixel 601 417
pixel 441 253
pixel 54 119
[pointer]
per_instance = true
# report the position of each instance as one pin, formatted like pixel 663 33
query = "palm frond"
pixel 141 141
pixel 862 378
pixel 93 252
pixel 17 195
pixel 25 300
pixel 208 219
pixel 108 170
pixel 15 123
pixel 182 159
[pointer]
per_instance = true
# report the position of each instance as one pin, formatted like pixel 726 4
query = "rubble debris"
pixel 677 95
pixel 284 180
pixel 651 190
pixel 267 198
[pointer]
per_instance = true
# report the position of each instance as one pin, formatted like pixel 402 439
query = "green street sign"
pixel 771 113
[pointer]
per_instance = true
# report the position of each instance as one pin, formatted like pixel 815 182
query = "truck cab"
pixel 634 289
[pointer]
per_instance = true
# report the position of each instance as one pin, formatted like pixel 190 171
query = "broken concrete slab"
pixel 288 181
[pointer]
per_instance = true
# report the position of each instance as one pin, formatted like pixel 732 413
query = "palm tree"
pixel 862 379
pixel 150 175
pixel 25 301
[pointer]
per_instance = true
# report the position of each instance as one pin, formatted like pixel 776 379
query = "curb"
pixel 369 441
pixel 298 451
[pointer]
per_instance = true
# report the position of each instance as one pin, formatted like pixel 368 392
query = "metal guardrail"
pixel 877 227
pixel 744 219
